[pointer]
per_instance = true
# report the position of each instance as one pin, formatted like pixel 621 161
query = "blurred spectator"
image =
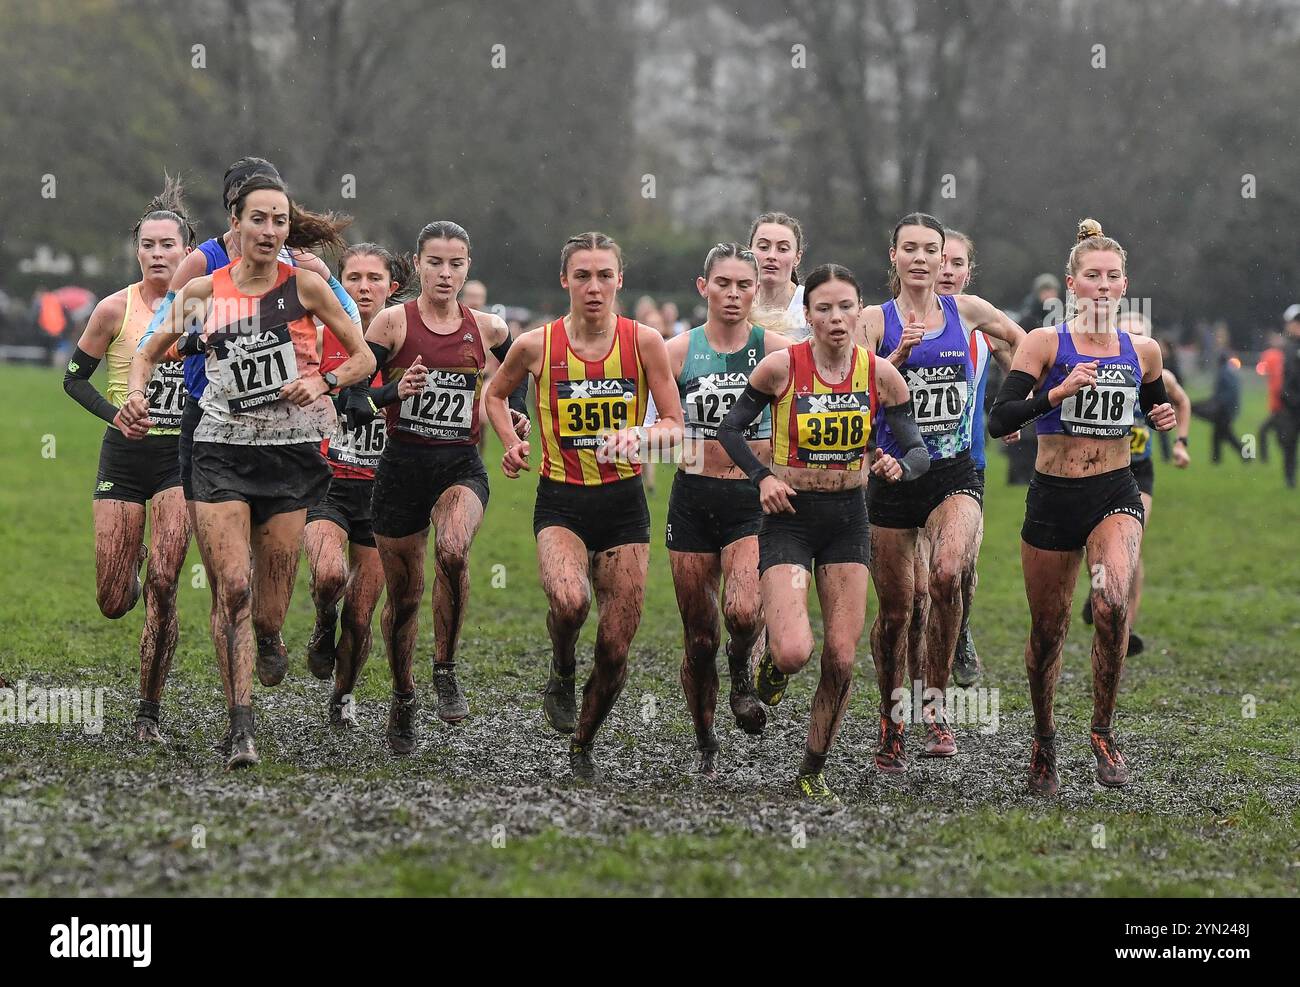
pixel 1269 367
pixel 1289 423
pixel 51 319
pixel 1043 305
pixel 1221 408
pixel 474 295
pixel 676 326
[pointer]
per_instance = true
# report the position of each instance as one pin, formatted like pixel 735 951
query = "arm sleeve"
pixel 77 385
pixel 1013 408
pixel 518 400
pixel 1153 393
pixel 384 396
pixel 345 300
pixel 916 457
pixel 731 433
pixel 387 394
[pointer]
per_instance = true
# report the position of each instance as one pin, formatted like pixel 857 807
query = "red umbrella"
pixel 74 298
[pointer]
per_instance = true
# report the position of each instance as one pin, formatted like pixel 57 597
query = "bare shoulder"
pixel 893 389
pixel 774 341
pixel 871 325
pixel 644 332
pixel 1148 351
pixel 772 372
pixel 112 307
pixel 530 343
pixel 492 327
pixel 193 266
pixel 972 305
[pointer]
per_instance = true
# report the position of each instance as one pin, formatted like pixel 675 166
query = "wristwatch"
pixel 1182 439
pixel 331 382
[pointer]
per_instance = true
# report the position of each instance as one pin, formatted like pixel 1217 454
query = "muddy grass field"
pixel 1209 721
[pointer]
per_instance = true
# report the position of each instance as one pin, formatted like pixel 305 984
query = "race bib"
pixel 444 410
pixel 359 447
pixel 1104 411
pixel 166 392
pixel 708 399
pixel 590 409
pixel 939 396
pixel 256 366
pixel 833 428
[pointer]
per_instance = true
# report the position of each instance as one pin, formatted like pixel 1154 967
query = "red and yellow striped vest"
pixel 580 401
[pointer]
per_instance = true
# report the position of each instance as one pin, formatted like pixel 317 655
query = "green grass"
pixel 487 808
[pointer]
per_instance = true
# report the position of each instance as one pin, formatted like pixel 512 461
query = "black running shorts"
pixel 828 527
pixel 347 504
pixel 603 516
pixel 706 514
pixel 412 476
pixel 135 469
pixel 1144 471
pixel 191 414
pixel 1061 511
pixel 909 504
pixel 271 479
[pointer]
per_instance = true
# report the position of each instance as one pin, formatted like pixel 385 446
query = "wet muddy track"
pixel 100 814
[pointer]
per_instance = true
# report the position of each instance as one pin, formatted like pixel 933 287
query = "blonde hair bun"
pixel 1087 229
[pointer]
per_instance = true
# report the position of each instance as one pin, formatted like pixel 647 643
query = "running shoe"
pixel 452 707
pixel 745 707
pixel 558 703
pixel 343 712
pixel 891 755
pixel 320 649
pixel 401 724
pixel 146 722
pixel 1043 779
pixel 272 659
pixel 769 682
pixel 966 667
pixel 580 762
pixel 939 739
pixel 1112 770
pixel 243 752
pixel 1135 644
pixel 814 789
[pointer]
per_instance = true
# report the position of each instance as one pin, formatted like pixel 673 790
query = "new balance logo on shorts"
pixel 104 486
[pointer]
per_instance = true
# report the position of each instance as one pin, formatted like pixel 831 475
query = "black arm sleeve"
pixel 1013 408
pixel 387 394
pixel 380 352
pixel 1152 393
pixel 731 433
pixel 518 399
pixel 383 396
pixel 916 457
pixel 77 385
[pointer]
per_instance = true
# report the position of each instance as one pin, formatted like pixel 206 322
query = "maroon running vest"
pixel 446 411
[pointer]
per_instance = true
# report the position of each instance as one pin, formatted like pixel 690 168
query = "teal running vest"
pixel 711 382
